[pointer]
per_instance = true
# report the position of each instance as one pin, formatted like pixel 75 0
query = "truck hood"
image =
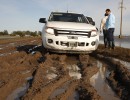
pixel 70 25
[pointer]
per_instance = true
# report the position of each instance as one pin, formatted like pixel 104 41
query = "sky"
pixel 22 15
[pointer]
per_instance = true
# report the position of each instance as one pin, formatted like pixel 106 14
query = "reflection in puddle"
pixel 51 76
pixel 99 83
pixel 74 71
pixel 51 73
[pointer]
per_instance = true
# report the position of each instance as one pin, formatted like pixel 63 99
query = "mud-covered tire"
pixel 43 49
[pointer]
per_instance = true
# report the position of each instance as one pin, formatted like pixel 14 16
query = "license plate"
pixel 73 44
pixel 72 37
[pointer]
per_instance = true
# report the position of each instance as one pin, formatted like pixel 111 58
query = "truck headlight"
pixel 94 33
pixel 49 30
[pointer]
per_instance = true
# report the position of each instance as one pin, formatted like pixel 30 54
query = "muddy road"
pixel 28 72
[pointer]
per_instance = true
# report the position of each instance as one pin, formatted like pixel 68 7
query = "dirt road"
pixel 27 71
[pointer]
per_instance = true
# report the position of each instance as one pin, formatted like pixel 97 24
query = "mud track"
pixel 29 72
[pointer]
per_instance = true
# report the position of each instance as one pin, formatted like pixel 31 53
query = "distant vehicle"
pixel 69 33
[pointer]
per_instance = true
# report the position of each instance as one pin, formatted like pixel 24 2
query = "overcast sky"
pixel 24 14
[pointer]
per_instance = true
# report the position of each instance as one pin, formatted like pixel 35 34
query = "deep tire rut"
pixel 41 75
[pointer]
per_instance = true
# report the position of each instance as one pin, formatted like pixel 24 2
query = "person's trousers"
pixel 105 38
pixel 110 38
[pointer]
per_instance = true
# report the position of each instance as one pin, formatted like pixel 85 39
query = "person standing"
pixel 103 29
pixel 110 26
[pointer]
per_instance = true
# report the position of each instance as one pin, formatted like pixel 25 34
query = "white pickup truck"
pixel 67 32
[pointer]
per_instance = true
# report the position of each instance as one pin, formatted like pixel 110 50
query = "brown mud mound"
pixel 54 79
pixel 29 72
pixel 44 82
pixel 15 69
pixel 118 52
pixel 88 69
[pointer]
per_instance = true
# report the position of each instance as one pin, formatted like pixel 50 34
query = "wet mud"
pixel 118 52
pixel 118 78
pixel 29 72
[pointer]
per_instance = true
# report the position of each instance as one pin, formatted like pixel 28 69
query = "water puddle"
pixel 60 90
pixel 19 92
pixel 51 73
pixel 124 42
pixel 74 96
pixel 51 76
pixel 74 71
pixel 72 67
pixel 98 81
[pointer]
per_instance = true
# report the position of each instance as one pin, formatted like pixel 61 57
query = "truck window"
pixel 68 17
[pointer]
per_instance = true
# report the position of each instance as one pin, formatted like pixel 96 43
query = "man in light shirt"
pixel 103 29
pixel 110 26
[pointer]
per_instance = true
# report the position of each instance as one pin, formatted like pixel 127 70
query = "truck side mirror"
pixel 93 23
pixel 90 20
pixel 42 20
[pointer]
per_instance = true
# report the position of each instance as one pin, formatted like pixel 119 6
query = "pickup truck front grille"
pixel 72 44
pixel 70 32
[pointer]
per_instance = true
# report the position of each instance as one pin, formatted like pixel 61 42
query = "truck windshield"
pixel 68 17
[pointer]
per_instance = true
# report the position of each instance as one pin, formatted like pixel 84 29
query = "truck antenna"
pixel 67 6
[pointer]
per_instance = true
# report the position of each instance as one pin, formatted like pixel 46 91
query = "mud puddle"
pixel 60 90
pixel 74 96
pixel 72 67
pixel 98 81
pixel 74 73
pixel 51 73
pixel 21 91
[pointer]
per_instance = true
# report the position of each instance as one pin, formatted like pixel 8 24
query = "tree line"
pixel 21 33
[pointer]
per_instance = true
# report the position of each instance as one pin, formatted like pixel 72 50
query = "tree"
pixel 5 32
pixel 39 33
